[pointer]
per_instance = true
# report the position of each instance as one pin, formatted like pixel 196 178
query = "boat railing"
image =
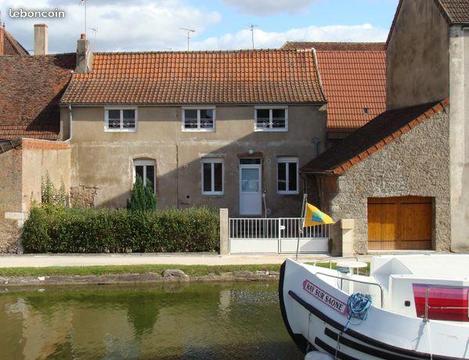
pixel 356 281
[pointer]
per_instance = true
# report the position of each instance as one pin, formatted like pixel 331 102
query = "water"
pixel 167 321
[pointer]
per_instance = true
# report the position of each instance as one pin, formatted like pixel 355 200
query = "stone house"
pixel 401 177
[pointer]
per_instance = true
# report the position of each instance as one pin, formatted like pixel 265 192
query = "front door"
pixel 250 189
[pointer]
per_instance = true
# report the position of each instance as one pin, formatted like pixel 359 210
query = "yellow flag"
pixel 314 217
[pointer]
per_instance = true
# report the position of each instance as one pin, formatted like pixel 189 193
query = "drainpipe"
pixel 70 116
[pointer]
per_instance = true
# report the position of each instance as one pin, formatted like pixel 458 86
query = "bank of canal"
pixel 149 321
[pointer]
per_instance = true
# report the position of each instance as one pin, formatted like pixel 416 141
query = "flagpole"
pixel 300 227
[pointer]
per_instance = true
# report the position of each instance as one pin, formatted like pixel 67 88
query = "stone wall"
pixel 416 164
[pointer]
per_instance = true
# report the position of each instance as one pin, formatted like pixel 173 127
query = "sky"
pixel 153 25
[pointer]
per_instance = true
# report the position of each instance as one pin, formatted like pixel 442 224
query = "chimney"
pixel 2 39
pixel 41 42
pixel 84 56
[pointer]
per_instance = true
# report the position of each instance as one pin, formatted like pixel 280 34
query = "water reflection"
pixel 198 321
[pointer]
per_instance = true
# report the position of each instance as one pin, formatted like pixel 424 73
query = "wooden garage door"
pixel 400 223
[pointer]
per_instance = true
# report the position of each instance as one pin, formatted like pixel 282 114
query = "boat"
pixel 406 307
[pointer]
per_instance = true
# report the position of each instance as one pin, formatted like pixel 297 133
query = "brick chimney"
pixel 2 39
pixel 41 41
pixel 84 56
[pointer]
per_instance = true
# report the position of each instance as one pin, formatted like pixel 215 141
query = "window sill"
pixel 120 130
pixel 198 130
pixel 270 130
pixel 219 194
pixel 288 193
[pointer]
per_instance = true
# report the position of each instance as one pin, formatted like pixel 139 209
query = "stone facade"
pixel 416 164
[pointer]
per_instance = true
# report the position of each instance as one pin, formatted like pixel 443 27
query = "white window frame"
pixel 144 163
pixel 198 108
pixel 121 108
pixel 213 161
pixel 270 129
pixel 289 160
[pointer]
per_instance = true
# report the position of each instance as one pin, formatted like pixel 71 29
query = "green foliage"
pixel 63 230
pixel 52 196
pixel 142 198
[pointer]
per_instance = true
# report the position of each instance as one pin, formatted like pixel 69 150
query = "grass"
pixel 192 270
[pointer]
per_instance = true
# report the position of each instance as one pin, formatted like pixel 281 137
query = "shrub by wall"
pixel 62 230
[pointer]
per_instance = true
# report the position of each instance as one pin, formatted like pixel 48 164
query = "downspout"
pixel 70 117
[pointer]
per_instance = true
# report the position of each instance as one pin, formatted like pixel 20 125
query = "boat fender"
pixel 357 306
pixel 316 355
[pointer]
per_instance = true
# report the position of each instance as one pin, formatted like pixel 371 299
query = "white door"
pixel 250 189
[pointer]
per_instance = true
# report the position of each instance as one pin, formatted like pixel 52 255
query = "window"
pixel 287 176
pixel 120 119
pixel 271 119
pixel 145 169
pixel 198 119
pixel 212 177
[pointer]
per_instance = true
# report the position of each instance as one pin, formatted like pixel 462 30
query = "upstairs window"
pixel 145 169
pixel 212 176
pixel 271 119
pixel 120 119
pixel 287 176
pixel 202 119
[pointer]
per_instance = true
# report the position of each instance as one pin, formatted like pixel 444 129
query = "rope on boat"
pixel 358 306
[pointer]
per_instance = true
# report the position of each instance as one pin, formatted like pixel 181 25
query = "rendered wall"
pixel 417 56
pixel 103 162
pixel 10 198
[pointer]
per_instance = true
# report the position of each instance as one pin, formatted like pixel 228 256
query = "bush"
pixel 62 230
pixel 142 198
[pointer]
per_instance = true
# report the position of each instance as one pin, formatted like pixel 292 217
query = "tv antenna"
pixel 189 32
pixel 252 27
pixel 84 3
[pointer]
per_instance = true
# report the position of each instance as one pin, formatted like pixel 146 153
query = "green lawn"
pixel 192 270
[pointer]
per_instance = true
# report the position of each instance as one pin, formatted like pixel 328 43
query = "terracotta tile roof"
pixel 217 77
pixel 12 46
pixel 456 11
pixel 335 46
pixel 353 77
pixel 30 91
pixel 371 138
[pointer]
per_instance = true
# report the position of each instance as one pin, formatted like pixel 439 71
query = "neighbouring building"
pixel 9 45
pixel 401 177
pixel 353 76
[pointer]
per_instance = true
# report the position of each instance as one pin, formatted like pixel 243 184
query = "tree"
pixel 142 198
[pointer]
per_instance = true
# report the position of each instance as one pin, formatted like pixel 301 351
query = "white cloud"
pixel 129 25
pixel 268 7
pixel 263 39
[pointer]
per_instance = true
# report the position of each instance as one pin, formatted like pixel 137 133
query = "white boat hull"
pixel 313 312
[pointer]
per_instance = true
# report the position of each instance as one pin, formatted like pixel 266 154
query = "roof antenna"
pixel 252 27
pixel 188 31
pixel 84 2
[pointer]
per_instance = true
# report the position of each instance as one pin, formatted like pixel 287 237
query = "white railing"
pixel 275 228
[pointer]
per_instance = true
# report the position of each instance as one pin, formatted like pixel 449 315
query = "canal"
pixel 164 321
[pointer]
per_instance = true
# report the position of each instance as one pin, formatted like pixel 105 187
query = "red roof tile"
pixel 257 76
pixel 335 46
pixel 353 76
pixel 372 137
pixel 30 93
pixel 456 11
